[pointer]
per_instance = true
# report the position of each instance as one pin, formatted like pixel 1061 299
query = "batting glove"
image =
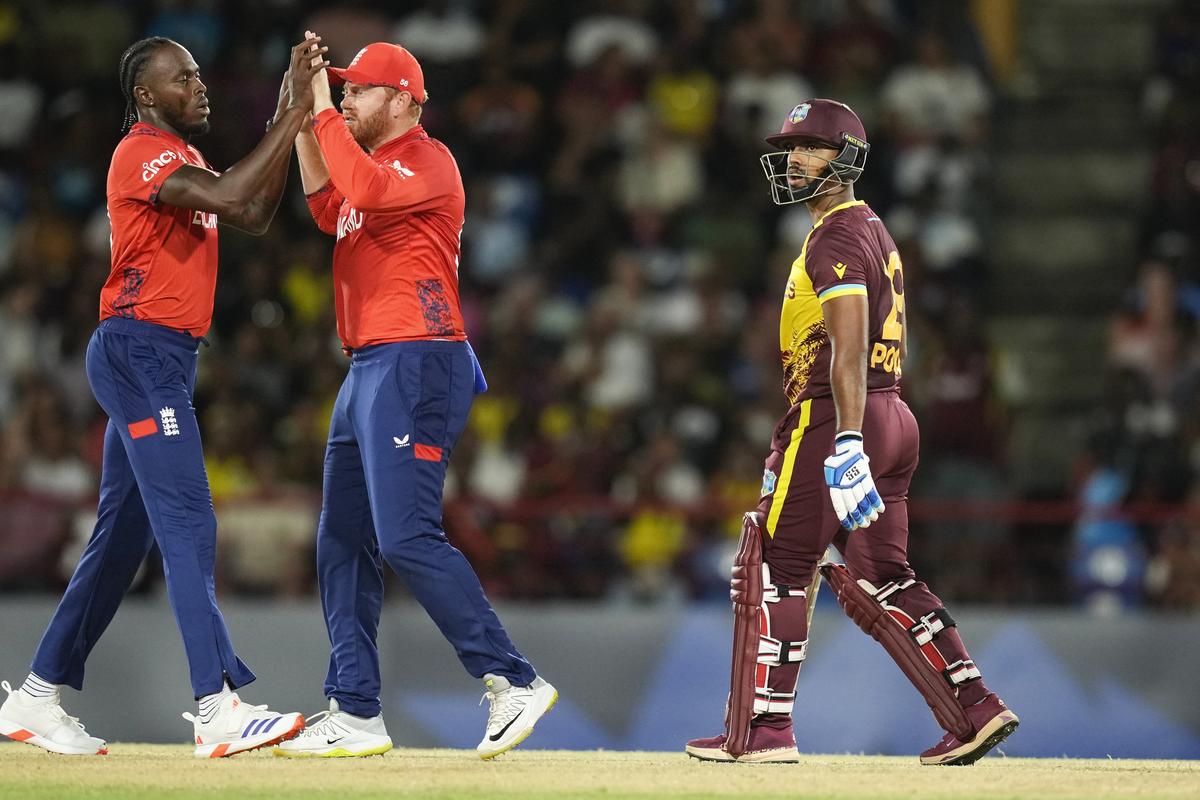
pixel 851 487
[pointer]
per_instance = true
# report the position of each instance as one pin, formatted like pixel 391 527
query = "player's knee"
pixel 879 572
pixel 408 549
pixel 791 568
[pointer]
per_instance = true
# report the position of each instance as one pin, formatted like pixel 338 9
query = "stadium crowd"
pixel 1146 440
pixel 621 269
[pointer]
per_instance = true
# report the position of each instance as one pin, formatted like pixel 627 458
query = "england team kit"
pixel 141 363
pixel 397 214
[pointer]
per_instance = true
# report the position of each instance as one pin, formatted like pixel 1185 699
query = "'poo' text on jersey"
pixel 398 215
pixel 848 252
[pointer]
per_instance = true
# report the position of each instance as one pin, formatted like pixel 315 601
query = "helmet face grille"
pixel 844 169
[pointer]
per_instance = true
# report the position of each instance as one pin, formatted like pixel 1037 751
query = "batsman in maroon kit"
pixel 843 454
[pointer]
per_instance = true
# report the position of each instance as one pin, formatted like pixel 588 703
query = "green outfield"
pixel 170 771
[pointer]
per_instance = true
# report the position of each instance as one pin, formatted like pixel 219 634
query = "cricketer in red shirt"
pixel 394 199
pixel 164 203
pixel 398 217
pixel 164 258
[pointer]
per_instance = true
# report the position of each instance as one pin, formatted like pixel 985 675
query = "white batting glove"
pixel 851 487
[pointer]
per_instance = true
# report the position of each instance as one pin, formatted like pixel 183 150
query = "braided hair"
pixel 132 62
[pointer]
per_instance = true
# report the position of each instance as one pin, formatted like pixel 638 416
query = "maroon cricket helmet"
pixel 828 122
pixel 823 120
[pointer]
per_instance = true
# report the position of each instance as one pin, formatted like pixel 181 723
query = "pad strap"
pixel 931 625
pixel 770 702
pixel 961 671
pixel 777 652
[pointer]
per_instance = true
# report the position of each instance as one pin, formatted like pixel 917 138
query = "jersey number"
pixel 893 326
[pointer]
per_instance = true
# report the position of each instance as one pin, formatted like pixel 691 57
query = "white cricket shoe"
pixel 41 721
pixel 236 727
pixel 514 712
pixel 338 734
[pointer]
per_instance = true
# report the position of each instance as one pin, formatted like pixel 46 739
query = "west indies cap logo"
pixel 799 113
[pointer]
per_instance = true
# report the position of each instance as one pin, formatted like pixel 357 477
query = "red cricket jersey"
pixel 398 217
pixel 164 258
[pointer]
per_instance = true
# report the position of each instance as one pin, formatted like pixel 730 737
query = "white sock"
pixel 39 688
pixel 210 702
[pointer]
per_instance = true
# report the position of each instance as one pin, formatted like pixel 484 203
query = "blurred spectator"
pixel 607 364
pixel 617 24
pixel 936 97
pixel 756 92
pixel 443 32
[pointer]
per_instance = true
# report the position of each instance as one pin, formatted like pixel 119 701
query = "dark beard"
pixel 187 131
pixel 199 129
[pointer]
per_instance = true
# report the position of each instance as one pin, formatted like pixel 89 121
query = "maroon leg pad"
pixel 872 618
pixel 746 592
pixel 916 601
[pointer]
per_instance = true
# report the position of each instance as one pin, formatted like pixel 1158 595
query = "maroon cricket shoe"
pixel 993 722
pixel 767 746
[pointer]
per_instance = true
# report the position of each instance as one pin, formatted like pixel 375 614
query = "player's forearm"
pixel 366 184
pixel 848 378
pixel 252 189
pixel 313 172
pixel 846 325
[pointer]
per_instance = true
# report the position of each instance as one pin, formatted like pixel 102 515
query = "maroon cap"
pixel 823 120
pixel 383 64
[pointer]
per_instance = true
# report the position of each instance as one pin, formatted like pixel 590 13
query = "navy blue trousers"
pixel 398 415
pixel 153 487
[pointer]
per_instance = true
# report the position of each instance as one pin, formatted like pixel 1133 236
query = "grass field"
pixel 170 771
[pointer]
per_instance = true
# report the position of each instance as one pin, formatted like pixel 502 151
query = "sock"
pixel 36 687
pixel 210 702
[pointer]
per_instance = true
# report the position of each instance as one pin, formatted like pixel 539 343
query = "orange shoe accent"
pixel 103 751
pixel 220 751
pixel 289 734
pixel 21 735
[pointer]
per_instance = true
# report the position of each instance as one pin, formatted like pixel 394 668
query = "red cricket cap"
pixel 383 64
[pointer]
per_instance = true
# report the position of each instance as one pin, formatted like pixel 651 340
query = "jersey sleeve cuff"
pixel 324 189
pixel 842 290
pixel 161 178
pixel 321 119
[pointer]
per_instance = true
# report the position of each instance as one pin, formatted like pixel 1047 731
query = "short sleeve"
pixel 835 266
pixel 142 164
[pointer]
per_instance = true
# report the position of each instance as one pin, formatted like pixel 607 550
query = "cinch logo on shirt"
pixel 204 219
pixel 350 223
pixel 151 168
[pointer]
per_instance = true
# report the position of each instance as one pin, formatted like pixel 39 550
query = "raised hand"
pixel 322 95
pixel 307 60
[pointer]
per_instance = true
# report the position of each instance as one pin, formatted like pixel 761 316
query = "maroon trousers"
pixel 800 522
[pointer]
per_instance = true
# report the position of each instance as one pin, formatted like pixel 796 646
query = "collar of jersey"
pixel 146 126
pixel 384 151
pixel 838 208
